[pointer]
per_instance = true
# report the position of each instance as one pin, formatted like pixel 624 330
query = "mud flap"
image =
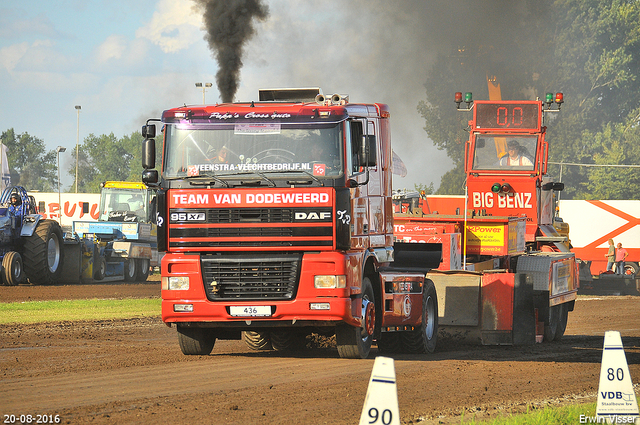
pixel 524 318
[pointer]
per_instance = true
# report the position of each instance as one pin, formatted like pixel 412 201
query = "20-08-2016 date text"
pixel 31 419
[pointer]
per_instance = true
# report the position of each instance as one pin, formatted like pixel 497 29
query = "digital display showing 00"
pixel 507 115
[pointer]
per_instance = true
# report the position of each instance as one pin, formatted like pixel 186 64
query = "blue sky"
pixel 124 62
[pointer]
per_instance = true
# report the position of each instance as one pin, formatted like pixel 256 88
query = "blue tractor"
pixel 31 248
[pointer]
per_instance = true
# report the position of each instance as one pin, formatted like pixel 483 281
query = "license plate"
pixel 250 311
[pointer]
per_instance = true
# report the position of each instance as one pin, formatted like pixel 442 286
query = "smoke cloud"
pixel 229 25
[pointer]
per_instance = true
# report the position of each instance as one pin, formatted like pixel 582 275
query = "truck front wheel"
pixel 12 271
pixel 43 255
pixel 355 342
pixel 196 341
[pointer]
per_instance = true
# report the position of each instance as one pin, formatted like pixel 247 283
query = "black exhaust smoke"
pixel 229 25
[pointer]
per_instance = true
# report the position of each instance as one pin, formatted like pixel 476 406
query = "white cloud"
pixel 11 55
pixel 112 48
pixel 174 26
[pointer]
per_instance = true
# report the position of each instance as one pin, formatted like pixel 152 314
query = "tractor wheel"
pixel 355 342
pixel 12 270
pixel 43 255
pixel 196 341
pixel 143 269
pixel 423 339
pixel 257 340
pixel 130 269
pixel 562 324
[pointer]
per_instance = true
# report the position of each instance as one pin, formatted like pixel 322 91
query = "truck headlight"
pixel 330 281
pixel 175 283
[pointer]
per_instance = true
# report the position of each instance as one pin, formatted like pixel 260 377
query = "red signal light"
pixel 559 98
pixel 458 97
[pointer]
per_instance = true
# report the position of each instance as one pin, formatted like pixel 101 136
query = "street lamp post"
pixel 78 107
pixel 58 150
pixel 204 87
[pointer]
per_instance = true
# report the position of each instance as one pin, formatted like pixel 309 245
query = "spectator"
pixel 621 255
pixel 611 255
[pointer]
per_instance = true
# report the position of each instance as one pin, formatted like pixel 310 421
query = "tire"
pixel 355 342
pixel 425 338
pixel 130 270
pixel 12 269
pixel 389 342
pixel 43 255
pixel 257 341
pixel 551 329
pixel 562 324
pixel 630 269
pixel 143 269
pixel 288 340
pixel 196 341
pixel 99 268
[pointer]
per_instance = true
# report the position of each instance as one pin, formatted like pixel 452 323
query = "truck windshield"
pixel 495 152
pixel 230 149
pixel 117 204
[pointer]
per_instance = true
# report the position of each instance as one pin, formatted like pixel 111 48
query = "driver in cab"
pixel 514 155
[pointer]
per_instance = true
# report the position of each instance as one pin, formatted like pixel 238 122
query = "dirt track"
pixel 132 371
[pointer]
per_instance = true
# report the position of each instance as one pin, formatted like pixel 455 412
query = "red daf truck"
pixel 506 276
pixel 276 220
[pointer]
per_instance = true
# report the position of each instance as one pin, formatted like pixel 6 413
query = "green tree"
pixel 106 157
pixel 588 49
pixel 31 166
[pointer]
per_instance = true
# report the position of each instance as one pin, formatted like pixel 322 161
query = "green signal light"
pixel 549 98
pixel 495 188
pixel 468 97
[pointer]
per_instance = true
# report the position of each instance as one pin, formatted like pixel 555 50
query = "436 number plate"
pixel 250 311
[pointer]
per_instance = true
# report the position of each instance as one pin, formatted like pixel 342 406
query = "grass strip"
pixel 566 415
pixel 70 310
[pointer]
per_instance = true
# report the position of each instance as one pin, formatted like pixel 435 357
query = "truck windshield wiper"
pixel 259 174
pixel 197 180
pixel 317 180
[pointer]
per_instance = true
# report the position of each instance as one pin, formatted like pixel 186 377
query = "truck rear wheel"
pixel 12 270
pixel 424 339
pixel 196 341
pixel 43 255
pixel 130 269
pixel 355 342
pixel 258 341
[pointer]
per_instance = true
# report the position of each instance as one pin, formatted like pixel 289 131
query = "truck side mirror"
pixel 149 131
pixel 368 152
pixel 148 153
pixel 559 187
pixel 150 177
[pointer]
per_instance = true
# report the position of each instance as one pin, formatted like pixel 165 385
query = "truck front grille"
pixel 251 277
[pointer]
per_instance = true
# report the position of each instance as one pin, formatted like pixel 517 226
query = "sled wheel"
pixel 43 255
pixel 99 268
pixel 257 340
pixel 143 269
pixel 551 329
pixel 12 270
pixel 196 341
pixel 130 269
pixel 562 324
pixel 355 342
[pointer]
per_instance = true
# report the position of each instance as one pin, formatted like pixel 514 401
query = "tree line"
pixel 587 49
pixel 100 158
